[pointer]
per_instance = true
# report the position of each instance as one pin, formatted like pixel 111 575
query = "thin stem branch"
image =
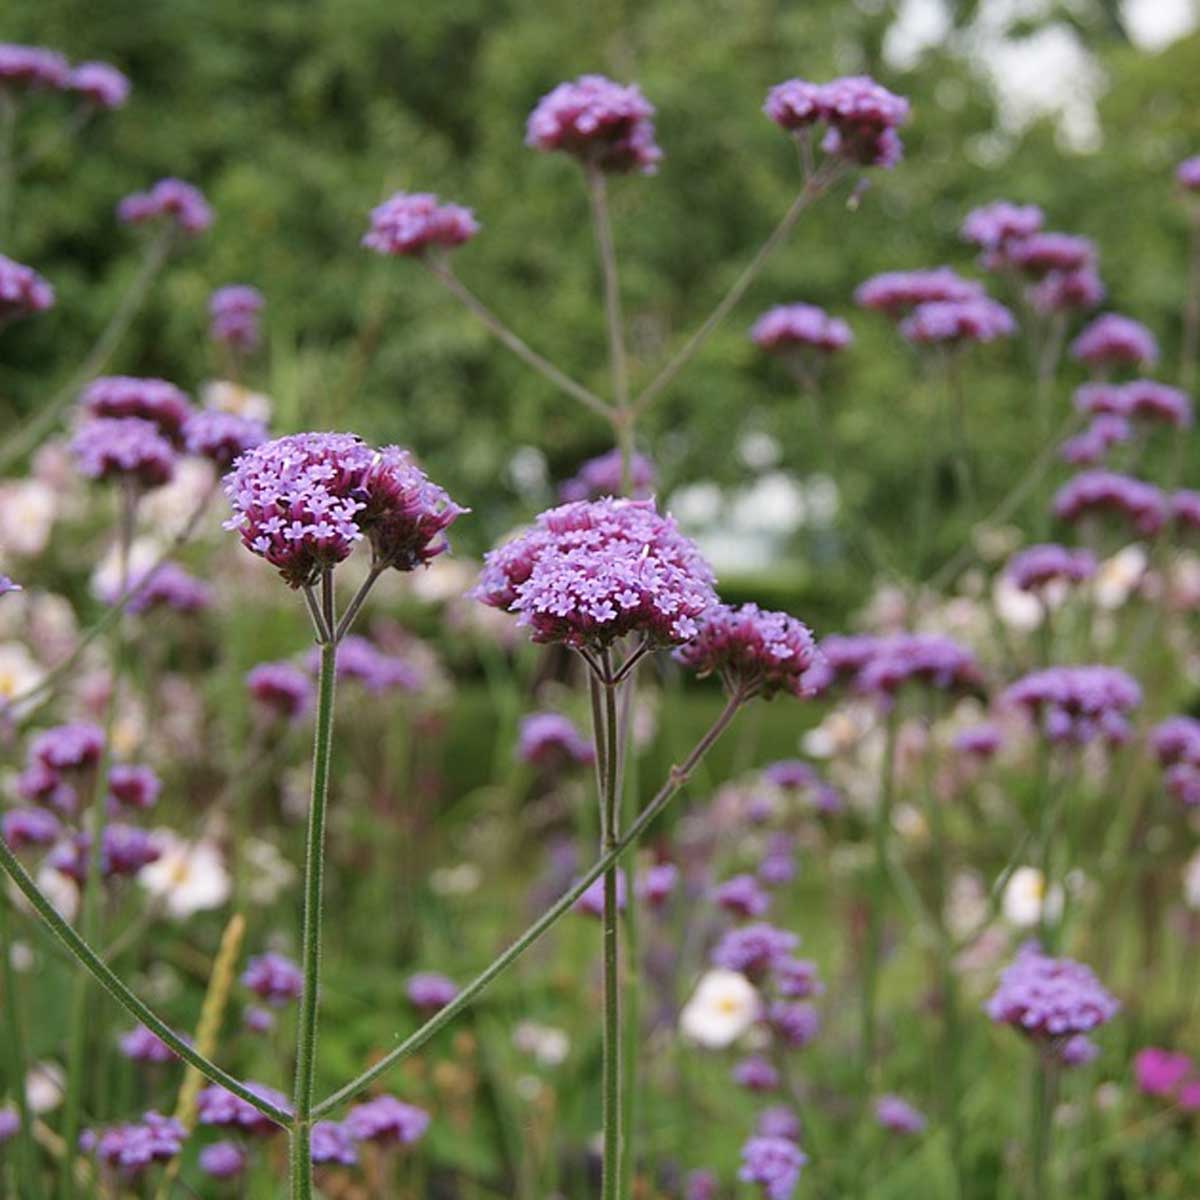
pixel 29 435
pixel 314 863
pixel 611 1084
pixel 16 1062
pixel 442 272
pixel 322 631
pixel 8 162
pixel 677 777
pixel 813 188
pixel 347 618
pixel 107 978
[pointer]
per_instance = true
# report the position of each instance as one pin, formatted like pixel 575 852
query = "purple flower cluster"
pixel 880 666
pixel 57 759
pixel 216 1106
pixel 1042 253
pixel 124 851
pixel 1049 998
pixel 1176 744
pixel 140 1045
pixel 601 476
pixel 100 84
pixel 134 787
pixel 753 652
pixel 590 572
pixel 170 587
pixel 1036 567
pixel 430 992
pixel 1142 504
pixel 410 223
pixel 606 125
pixel 898 1116
pixel 1187 174
pixel 387 1120
pixel 332 1143
pixel 1185 509
pixel 774 1164
pixel 22 827
pixel 591 903
pixel 171 199
pixel 280 690
pixel 996 224
pixel 222 437
pixel 1067 291
pixel 23 291
pixel 222 1160
pixel 234 313
pixel 550 741
pixel 1077 704
pixel 794 1024
pixel 754 950
pixel 797 978
pixel 954 321
pixel 1088 448
pixel 359 660
pixel 896 292
pixel 860 116
pixel 1141 398
pixel 755 1074
pixel 791 327
pixel 273 978
pixel 32 68
pixel 301 502
pixel 656 883
pixel 743 896
pixel 130 1149
pixel 1113 340
pixel 124 448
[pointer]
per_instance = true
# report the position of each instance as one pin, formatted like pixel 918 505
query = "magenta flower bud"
pixel 222 437
pixel 742 896
pixel 755 1075
pixel 23 827
pixel 100 84
pixel 1077 704
pixel 1141 504
pixel 23 292
pixel 898 1116
pixel 1160 1072
pixel 234 311
pixel 753 652
pixel 550 741
pixel 604 124
pixel 32 68
pixel 774 1164
pixel 133 786
pixel 601 476
pixel 222 1160
pixel 124 448
pixel 955 321
pixel 280 690
pixel 790 327
pixel 1187 174
pixel 273 978
pixel 896 292
pixel 1049 998
pixel 332 1143
pixel 216 1106
pixel 410 223
pixel 388 1121
pixel 169 199
pixel 430 992
pixel 1113 340
pixel 1037 567
pixel 992 225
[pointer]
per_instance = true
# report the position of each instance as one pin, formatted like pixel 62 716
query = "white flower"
pixel 460 880
pixel 19 670
pixel 1191 881
pixel 106 578
pixel 189 877
pixel 268 873
pixel 1118 577
pixel 27 512
pixel 1015 608
pixel 550 1046
pixel 724 1005
pixel 1025 895
pixel 44 1084
pixel 233 398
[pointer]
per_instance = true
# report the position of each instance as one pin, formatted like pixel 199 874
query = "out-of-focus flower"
pixel 429 991
pixel 591 903
pixel 216 1106
pixel 1078 1051
pixel 1120 576
pixel 172 199
pixel 548 1045
pixel 32 68
pixel 273 978
pixel 754 949
pixel 124 448
pixel 387 1120
pixel 755 1074
pixel 1077 704
pixel 24 827
pixel 700 1185
pixel 1026 899
pixel 1142 504
pixel 270 874
pixel 1160 1072
pixel 258 1020
pixel 280 690
pixel 1067 291
pixel 234 311
pixel 980 741
pixel 1191 881
pixel 222 395
pixel 222 437
pixel 19 671
pixel 154 400
pixel 778 1121
pixel 898 1116
pixel 956 321
pixel 140 1045
pixel 791 327
pixel 130 1149
pixel 1088 448
pixel 743 896
pixel 222 1160
pixel 1049 998
pixel 133 786
pixel 28 509
pixel 550 741
pixel 774 1164
pixel 45 1087
pixel 100 84
pixel 1187 174
pixel 1113 340
pixel 1034 568
pixel 333 1143
pixel 188 877
pixel 1041 253
pixel 410 223
pixel 656 884
pixel 601 476
pixel 23 292
pixel 1150 400
pixel 606 125
pixel 797 978
pixel 724 1006
pixel 896 292
pixel 124 850
pixel 794 1024
pixel 994 224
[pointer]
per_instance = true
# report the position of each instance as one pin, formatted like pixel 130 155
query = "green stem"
pixel 611 1085
pixel 677 777
pixel 31 1183
pixel 8 164
pixel 1190 341
pixel 1050 801
pixel 1041 1113
pixel 631 1017
pixel 314 863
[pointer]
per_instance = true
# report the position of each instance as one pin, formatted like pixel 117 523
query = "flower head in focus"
pixel 606 125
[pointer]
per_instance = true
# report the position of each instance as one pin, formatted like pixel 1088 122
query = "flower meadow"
pixel 742 904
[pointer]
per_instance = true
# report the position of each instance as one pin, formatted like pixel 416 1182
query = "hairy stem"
pixel 14 1036
pixel 677 778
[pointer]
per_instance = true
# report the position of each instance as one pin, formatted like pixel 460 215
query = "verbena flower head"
pixel 1078 1051
pixel 1187 174
pixel 981 741
pixel 796 1025
pixel 896 292
pixel 551 741
pixel 954 321
pixel 743 896
pixel 124 448
pixel 774 1164
pixel 280 690
pixel 169 199
pixel 154 400
pixel 601 476
pixel 222 437
pixel 1185 509
pixel 32 68
pixel 778 1121
pixel 7 586
pixel 23 292
pixel 130 1149
pixel 361 661
pixel 1049 998
pixel 296 501
pixel 921 658
pixel 140 1045
pixel 1177 739
pixel 791 327
pixel 429 991
pixel 1153 401
pixel 591 903
pixel 23 827
pixel 605 125
pixel 754 950
pixel 1160 1072
pixel 1067 291
pixel 133 786
pixel 387 1120
pixel 1113 340
pixel 590 572
pixel 1036 567
pixel 273 978
pixel 1041 253
pixel 234 313
pixel 898 1116
pixel 656 884
pixel 100 84
pixel 797 978
pixel 1088 448
pixel 76 746
pixel 169 587
pixel 332 1143
pixel 124 851
pixel 753 652
pixel 411 223
pixel 222 1160
pixel 755 1074
pixel 216 1106
pixel 994 224
pixel 1075 705
pixel 1141 504
pixel 860 116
